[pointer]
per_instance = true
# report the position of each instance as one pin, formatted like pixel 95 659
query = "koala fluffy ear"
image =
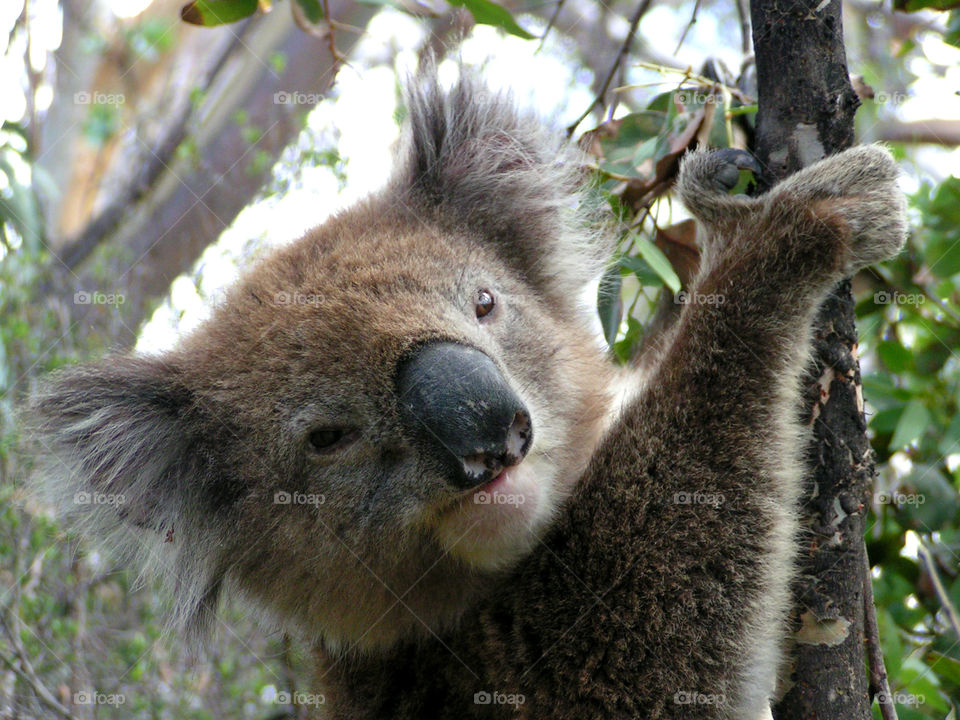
pixel 472 160
pixel 120 458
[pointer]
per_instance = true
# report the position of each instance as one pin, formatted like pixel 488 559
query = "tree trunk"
pixel 155 228
pixel 806 110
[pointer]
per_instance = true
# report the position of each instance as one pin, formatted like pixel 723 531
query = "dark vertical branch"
pixel 806 111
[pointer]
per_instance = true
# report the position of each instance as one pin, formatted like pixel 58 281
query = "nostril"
pixel 482 467
pixel 518 439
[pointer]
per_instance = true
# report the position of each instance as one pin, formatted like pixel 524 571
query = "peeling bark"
pixel 188 201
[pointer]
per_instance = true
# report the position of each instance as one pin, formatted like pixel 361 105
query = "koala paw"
pixel 855 194
pixel 707 176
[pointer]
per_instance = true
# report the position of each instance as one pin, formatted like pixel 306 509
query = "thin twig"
pixel 947 310
pixel 693 20
pixel 743 12
pixel 331 40
pixel 688 74
pixel 953 619
pixel 879 683
pixel 624 48
pixel 553 19
pixel 22 668
pixel 33 82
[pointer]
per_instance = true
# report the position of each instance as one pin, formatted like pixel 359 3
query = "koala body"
pixel 399 437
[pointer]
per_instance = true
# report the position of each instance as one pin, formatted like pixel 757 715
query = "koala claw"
pixel 729 162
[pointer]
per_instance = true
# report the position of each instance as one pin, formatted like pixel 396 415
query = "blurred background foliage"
pixel 112 109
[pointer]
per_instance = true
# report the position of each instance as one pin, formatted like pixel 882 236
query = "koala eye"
pixel 326 440
pixel 485 303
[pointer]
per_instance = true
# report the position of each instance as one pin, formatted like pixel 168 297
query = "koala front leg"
pixel 723 402
pixel 663 590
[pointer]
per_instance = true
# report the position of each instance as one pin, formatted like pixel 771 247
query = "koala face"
pixel 379 417
pixel 404 408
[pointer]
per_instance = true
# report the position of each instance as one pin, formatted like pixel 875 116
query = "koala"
pixel 399 439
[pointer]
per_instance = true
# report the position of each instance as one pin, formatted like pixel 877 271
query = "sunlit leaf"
pixel 609 305
pixel 914 5
pixel 894 355
pixel 658 261
pixel 487 12
pixel 913 423
pixel 210 13
pixel 312 10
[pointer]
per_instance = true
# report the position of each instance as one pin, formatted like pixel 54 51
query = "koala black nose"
pixel 459 403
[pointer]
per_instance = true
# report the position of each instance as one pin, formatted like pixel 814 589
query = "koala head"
pixel 377 417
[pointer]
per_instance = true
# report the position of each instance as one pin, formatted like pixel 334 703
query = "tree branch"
pixel 624 49
pixel 879 683
pixel 154 162
pixel 932 132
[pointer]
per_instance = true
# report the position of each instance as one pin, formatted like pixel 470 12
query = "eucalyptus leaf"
pixel 487 12
pixel 913 423
pixel 210 13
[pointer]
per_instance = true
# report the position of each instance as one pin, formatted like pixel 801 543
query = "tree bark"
pixel 191 198
pixel 806 110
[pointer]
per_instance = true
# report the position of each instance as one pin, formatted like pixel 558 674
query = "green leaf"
pixel 882 393
pixel 886 420
pixel 950 442
pixel 658 261
pixel 927 500
pixel 210 13
pixel 914 5
pixel 913 423
pixel 641 268
pixel 890 641
pixel 312 10
pixel 952 34
pixel 943 255
pixel 946 666
pixel 487 12
pixel 624 349
pixel 19 207
pixel 922 684
pixel 609 306
pixel 894 355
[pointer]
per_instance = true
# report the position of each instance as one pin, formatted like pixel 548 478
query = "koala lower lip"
pixel 498 480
